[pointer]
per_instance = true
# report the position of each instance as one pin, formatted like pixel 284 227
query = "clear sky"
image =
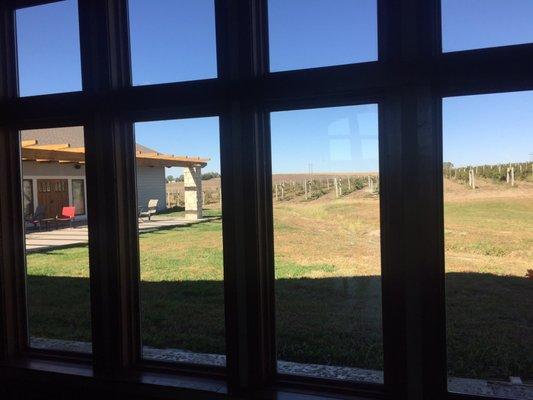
pixel 174 40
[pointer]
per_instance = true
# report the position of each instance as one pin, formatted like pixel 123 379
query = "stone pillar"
pixel 192 181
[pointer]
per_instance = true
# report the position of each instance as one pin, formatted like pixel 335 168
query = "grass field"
pixel 328 283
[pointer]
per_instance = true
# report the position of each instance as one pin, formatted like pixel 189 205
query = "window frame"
pixel 408 82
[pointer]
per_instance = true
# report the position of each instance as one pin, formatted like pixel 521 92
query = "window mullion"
pixel 111 189
pixel 421 202
pixel 241 30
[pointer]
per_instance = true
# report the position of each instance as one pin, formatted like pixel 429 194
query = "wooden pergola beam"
pixel 59 146
pixel 64 154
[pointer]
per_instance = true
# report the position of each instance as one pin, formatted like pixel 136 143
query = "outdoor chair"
pixel 36 218
pixel 67 215
pixel 148 211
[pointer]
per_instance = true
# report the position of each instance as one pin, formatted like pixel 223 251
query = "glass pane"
pixel 172 41
pixel 48 48
pixel 78 195
pixel 476 24
pixel 488 217
pixel 27 197
pixel 57 253
pixel 318 33
pixel 180 239
pixel 327 243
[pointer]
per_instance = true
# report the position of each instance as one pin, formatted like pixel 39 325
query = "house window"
pixel 48 36
pixel 27 197
pixel 476 24
pixel 78 196
pixel 359 252
pixel 172 41
pixel 318 33
pixel 327 243
pixel 488 208
pixel 56 249
pixel 180 241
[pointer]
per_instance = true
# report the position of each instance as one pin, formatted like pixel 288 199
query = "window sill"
pixel 33 372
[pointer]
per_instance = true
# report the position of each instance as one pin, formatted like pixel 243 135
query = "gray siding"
pixel 151 184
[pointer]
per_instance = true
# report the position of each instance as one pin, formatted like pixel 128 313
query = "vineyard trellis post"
pixel 472 178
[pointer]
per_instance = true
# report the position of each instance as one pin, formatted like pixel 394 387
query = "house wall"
pixel 53 169
pixel 151 184
pixel 34 170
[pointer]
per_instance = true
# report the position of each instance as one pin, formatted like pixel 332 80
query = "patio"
pixel 37 241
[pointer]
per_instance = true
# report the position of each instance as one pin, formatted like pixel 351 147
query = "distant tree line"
pixel 205 177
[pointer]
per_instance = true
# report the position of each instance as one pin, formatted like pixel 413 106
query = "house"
pixel 53 169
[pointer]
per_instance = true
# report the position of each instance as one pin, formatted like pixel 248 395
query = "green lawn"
pixel 327 289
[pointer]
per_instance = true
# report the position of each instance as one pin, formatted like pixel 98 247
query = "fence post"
pixel 349 185
pixel 336 184
pixel 276 186
pixel 282 191
pixel 305 189
pixel 512 176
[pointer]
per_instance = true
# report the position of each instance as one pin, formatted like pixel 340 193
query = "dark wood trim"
pixel 13 321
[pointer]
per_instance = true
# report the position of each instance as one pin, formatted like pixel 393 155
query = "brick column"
pixel 192 180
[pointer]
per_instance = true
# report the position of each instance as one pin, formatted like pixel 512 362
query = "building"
pixel 53 165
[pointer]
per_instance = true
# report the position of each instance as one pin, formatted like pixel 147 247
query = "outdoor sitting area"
pixel 37 220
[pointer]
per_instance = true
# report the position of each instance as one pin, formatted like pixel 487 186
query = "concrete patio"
pixel 38 241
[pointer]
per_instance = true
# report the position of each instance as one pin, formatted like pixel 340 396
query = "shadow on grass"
pixel 325 321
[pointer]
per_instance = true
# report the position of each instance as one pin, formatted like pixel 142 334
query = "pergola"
pixel 63 153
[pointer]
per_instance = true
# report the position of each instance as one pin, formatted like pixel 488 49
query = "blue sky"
pixel 174 40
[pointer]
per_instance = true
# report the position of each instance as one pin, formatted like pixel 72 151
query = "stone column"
pixel 192 181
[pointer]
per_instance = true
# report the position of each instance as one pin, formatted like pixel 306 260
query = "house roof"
pixel 66 145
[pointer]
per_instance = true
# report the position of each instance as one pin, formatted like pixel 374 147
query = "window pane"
pixel 488 217
pixel 327 242
pixel 318 33
pixel 78 195
pixel 476 24
pixel 57 256
pixel 27 197
pixel 48 48
pixel 180 239
pixel 172 41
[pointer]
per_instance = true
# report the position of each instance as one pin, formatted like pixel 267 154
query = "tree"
pixel 210 175
pixel 170 178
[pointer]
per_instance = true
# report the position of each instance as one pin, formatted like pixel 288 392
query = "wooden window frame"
pixel 408 83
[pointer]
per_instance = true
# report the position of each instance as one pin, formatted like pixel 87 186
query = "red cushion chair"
pixel 67 215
